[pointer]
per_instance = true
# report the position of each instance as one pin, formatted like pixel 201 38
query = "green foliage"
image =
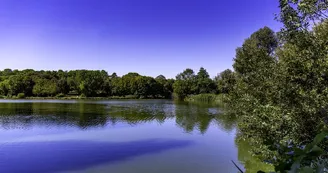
pixel 299 15
pixel 207 98
pixel 225 81
pixel 88 83
pixel 280 92
pixel 165 86
pixel 96 83
pixel 289 94
pixel 4 87
pixel 187 83
pixel 44 87
pixel 20 95
pixel 204 83
pixel 308 158
pixel 60 95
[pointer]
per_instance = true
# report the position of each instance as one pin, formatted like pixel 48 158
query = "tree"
pixel 225 81
pixel 117 86
pixel 90 83
pixel 304 77
pixel 168 88
pixel 45 87
pixel 62 86
pixel 254 95
pixel 255 64
pixel 146 87
pixel 4 88
pixel 298 16
pixel 204 83
pixel 20 84
pixel 281 90
pixel 185 83
pixel 114 75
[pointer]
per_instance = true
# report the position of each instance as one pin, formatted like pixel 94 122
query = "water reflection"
pixel 27 115
pixel 250 163
pixel 43 157
pixel 84 115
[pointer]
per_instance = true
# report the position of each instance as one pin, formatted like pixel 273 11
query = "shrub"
pixel 131 97
pixel 20 95
pixel 207 98
pixel 60 95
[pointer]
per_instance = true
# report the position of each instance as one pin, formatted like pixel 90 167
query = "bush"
pixel 60 95
pixel 207 98
pixel 20 95
pixel 83 96
pixel 131 97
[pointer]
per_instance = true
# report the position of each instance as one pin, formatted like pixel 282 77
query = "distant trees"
pixel 204 83
pixel 45 87
pixel 187 83
pixel 89 83
pixel 98 83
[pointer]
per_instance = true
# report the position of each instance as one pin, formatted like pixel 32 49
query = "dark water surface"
pixel 142 136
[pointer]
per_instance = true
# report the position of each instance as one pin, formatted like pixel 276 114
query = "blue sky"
pixel 150 37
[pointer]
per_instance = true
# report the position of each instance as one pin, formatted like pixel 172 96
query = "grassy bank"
pixel 207 98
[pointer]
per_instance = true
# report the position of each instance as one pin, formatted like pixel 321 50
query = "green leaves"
pixel 280 93
pixel 89 83
pixel 226 81
pixel 187 83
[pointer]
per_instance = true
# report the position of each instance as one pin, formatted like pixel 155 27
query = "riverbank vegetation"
pixel 80 84
pixel 280 95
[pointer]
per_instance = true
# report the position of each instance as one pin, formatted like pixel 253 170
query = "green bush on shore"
pixel 60 95
pixel 20 95
pixel 207 98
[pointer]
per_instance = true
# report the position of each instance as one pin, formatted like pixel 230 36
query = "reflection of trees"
pixel 84 115
pixel 195 117
pixel 226 122
pixel 135 114
pixel 24 115
pixel 250 162
pixel 91 115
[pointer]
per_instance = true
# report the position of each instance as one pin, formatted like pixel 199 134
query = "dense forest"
pixel 95 83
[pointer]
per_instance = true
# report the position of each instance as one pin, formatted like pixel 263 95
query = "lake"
pixel 118 136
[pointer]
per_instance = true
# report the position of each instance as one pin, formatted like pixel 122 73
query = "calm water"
pixel 144 136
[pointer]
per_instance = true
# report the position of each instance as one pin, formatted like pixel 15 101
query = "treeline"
pixel 85 83
pixel 96 83
pixel 279 88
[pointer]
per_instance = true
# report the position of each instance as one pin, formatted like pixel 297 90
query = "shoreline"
pixel 83 98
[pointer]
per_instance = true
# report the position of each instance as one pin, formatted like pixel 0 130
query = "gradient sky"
pixel 150 37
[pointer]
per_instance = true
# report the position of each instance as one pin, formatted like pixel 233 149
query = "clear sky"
pixel 150 37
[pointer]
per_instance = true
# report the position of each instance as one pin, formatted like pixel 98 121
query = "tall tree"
pixel 185 83
pixel 255 64
pixel 204 83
